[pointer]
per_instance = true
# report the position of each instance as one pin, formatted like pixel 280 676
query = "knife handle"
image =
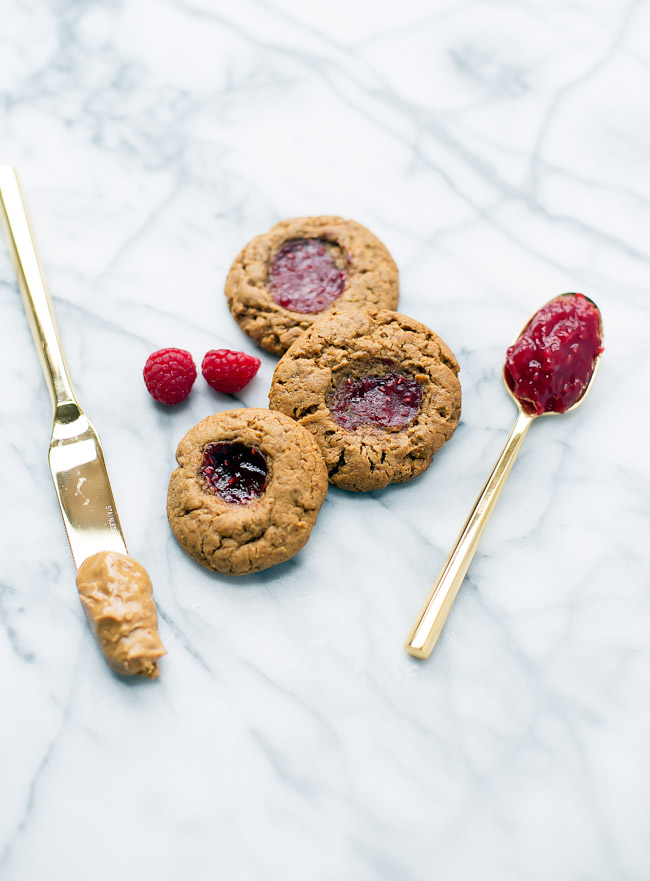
pixel 34 291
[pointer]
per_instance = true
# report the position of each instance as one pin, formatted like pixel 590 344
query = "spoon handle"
pixel 428 626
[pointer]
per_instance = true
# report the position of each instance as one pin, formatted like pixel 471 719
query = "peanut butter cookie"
pixel 377 390
pixel 248 489
pixel 303 268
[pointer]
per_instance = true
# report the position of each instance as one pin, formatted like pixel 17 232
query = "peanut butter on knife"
pixel 116 594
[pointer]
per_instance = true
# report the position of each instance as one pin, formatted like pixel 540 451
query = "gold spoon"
pixel 428 626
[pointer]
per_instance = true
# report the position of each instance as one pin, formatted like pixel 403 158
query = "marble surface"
pixel 500 150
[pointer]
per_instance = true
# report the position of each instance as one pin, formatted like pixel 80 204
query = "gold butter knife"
pixel 114 590
pixel 76 456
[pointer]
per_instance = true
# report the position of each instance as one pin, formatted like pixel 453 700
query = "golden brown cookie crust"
pixel 241 538
pixel 372 279
pixel 357 343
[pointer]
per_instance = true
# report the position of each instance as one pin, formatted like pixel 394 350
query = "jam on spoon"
pixel 306 275
pixel 235 472
pixel 550 365
pixel 549 369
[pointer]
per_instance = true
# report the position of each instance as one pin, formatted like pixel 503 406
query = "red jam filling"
pixel 236 473
pixel 387 401
pixel 304 276
pixel 550 365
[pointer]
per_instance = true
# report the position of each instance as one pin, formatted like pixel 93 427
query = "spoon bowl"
pixel 521 405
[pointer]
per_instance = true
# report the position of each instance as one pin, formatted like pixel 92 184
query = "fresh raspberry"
pixel 169 375
pixel 227 371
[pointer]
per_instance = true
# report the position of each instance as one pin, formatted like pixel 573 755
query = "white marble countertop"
pixel 500 150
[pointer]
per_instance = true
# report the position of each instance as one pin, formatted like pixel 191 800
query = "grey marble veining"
pixel 500 152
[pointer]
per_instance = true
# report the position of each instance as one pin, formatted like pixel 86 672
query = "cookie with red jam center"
pixel 247 490
pixel 302 270
pixel 378 391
